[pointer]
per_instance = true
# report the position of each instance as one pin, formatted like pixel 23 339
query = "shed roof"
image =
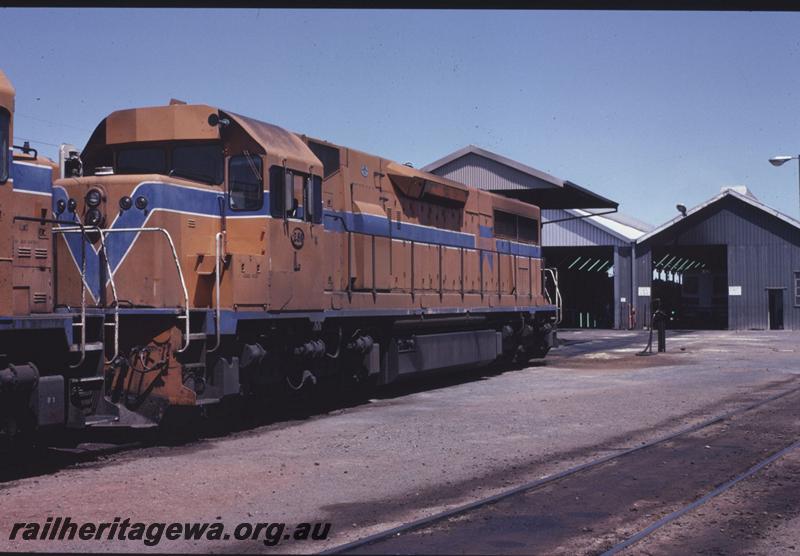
pixel 621 226
pixel 747 198
pixel 541 188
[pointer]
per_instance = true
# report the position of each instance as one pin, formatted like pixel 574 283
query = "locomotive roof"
pixel 278 141
pixel 7 92
pixel 190 121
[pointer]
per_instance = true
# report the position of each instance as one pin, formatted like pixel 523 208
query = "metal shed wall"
pixel 763 252
pixel 483 173
pixel 584 233
pixel 642 277
pixel 622 285
pixel 574 233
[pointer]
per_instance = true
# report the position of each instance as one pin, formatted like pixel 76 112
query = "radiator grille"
pixel 24 252
pixel 39 298
pixel 40 253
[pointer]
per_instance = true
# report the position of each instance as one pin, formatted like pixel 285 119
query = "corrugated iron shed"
pixel 763 254
pixel 574 227
pixel 487 170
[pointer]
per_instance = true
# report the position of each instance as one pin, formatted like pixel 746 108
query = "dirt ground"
pixel 592 511
pixel 406 455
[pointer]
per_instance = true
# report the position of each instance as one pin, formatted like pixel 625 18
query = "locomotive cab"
pixel 194 172
pixel 183 210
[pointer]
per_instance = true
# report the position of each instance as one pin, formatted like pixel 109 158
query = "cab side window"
pixel 245 184
pixel 295 195
pixel 5 121
pixel 516 227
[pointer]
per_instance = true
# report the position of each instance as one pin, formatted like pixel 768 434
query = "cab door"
pixel 295 254
pixel 246 233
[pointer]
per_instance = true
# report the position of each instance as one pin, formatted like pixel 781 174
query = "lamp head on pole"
pixel 778 160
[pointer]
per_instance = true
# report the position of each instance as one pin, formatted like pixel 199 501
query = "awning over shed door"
pixel 567 196
pixel 424 186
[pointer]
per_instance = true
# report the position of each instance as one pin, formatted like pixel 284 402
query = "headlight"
pixel 94 218
pixel 94 197
pixel 141 202
pixel 125 203
pixel 61 206
pixel 72 204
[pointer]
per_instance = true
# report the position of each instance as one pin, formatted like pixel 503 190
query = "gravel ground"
pixel 376 465
pixel 758 516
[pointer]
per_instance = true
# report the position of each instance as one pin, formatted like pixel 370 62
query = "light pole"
pixel 780 160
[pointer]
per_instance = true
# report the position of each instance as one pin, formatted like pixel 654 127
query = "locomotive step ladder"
pixel 193 360
pixel 555 297
pixel 114 323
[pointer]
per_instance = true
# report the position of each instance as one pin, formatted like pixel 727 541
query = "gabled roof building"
pixel 589 247
pixel 731 262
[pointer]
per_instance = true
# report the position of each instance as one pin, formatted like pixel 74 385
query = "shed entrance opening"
pixel 692 284
pixel 586 281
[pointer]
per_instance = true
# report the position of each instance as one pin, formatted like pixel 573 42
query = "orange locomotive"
pixel 44 383
pixel 228 256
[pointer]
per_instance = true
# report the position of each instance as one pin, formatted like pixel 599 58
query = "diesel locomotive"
pixel 44 382
pixel 223 256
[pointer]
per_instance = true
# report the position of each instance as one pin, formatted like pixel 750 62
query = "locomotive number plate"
pixel 298 238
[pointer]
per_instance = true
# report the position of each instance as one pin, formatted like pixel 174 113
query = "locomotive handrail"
pixel 116 299
pixel 559 301
pixel 84 229
pixel 81 228
pixel 218 312
pixel 82 323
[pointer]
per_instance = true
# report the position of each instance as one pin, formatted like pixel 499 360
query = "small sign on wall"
pixel 623 299
pixel 734 290
pixel 644 291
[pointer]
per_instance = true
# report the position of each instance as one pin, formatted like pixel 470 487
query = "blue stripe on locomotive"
pixel 164 196
pixel 37 179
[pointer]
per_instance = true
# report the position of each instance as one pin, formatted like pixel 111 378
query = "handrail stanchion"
pixel 115 324
pixel 218 311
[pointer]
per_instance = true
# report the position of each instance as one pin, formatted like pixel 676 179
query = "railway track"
pixel 470 527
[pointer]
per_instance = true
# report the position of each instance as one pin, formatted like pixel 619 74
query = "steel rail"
pixel 532 485
pixel 653 527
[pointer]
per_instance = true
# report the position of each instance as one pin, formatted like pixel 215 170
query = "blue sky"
pixel 647 108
